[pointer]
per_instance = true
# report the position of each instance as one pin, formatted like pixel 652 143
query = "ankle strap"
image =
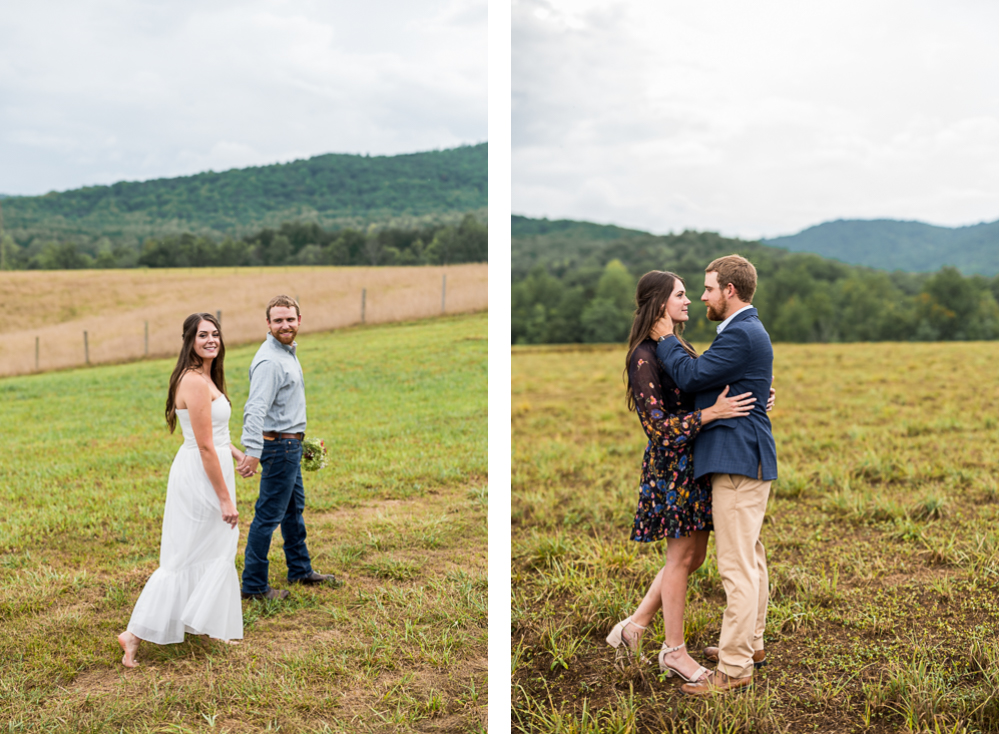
pixel 667 650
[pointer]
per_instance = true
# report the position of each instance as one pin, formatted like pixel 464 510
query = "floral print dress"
pixel 672 503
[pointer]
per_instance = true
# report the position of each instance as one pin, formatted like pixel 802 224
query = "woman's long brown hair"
pixel 188 360
pixel 651 294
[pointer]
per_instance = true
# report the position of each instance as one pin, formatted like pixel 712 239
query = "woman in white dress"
pixel 196 588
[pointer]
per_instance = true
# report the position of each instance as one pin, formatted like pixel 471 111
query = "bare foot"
pixel 129 643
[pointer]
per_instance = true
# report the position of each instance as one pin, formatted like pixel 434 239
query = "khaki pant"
pixel 738 505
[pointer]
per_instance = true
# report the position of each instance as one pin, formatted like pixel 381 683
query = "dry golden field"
pixel 881 534
pixel 113 306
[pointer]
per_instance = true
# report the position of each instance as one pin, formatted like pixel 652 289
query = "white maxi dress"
pixel 196 588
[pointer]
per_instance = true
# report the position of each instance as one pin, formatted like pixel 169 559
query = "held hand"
pixel 735 407
pixel 248 466
pixel 229 513
pixel 663 326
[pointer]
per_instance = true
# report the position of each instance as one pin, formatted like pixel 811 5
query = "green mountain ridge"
pixel 889 244
pixel 521 226
pixel 332 190
pixel 559 242
pixel 574 282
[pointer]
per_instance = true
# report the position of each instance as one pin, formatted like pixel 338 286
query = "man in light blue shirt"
pixel 274 424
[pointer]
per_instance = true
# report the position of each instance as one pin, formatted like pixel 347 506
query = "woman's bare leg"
pixel 130 644
pixel 684 556
pixel 643 614
pixel 693 550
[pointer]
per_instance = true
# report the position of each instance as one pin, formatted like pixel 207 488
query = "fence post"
pixel 146 339
pixel 218 316
pixel 444 282
pixel 86 348
pixel 364 292
pixel 36 354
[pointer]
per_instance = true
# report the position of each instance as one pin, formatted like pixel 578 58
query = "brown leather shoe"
pixel 269 594
pixel 327 579
pixel 712 653
pixel 715 682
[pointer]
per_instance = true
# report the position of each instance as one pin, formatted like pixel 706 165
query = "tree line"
pixel 801 297
pixel 293 243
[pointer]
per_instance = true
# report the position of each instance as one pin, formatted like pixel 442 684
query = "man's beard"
pixel 278 335
pixel 714 315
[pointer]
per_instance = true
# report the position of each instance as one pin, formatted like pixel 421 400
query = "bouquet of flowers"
pixel 313 454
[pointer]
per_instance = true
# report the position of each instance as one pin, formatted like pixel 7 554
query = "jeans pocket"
pixel 269 465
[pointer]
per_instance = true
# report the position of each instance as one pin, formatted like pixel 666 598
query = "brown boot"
pixel 715 682
pixel 712 653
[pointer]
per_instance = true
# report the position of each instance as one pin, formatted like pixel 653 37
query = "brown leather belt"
pixel 272 435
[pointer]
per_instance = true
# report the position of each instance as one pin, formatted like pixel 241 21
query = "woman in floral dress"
pixel 672 503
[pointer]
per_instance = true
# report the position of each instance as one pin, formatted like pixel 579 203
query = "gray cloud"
pixel 108 90
pixel 754 119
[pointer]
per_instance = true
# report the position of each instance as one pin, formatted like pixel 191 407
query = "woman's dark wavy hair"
pixel 188 360
pixel 651 294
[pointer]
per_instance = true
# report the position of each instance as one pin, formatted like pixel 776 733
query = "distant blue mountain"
pixel 888 244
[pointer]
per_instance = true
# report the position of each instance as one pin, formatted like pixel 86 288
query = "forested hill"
pixel 526 226
pixel 888 244
pixel 332 191
pixel 575 282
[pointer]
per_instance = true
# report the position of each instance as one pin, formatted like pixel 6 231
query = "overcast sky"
pixel 755 119
pixel 106 90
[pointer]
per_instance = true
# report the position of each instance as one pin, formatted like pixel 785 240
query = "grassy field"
pixel 881 535
pixel 399 513
pixel 114 306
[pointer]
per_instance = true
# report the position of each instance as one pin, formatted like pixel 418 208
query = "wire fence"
pixel 108 316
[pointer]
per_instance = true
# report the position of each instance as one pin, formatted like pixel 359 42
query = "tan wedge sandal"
pixel 616 638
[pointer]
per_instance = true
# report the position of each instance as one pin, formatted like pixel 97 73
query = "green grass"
pixel 399 513
pixel 881 536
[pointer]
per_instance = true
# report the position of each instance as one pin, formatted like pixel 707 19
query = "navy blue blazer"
pixel 741 357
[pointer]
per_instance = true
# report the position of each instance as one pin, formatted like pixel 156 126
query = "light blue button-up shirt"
pixel 277 400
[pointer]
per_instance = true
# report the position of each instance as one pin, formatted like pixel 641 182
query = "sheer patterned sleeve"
pixel 663 428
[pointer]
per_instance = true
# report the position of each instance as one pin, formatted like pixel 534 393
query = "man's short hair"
pixel 284 301
pixel 736 270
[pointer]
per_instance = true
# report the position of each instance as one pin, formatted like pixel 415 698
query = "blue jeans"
pixel 281 502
